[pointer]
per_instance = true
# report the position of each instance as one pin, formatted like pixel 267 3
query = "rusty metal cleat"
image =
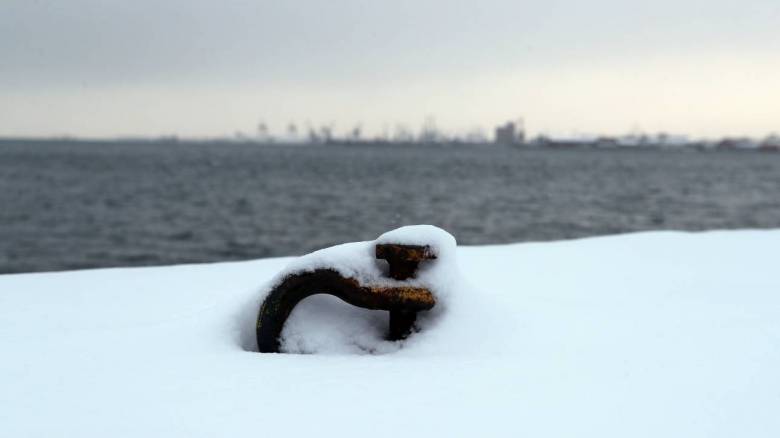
pixel 402 302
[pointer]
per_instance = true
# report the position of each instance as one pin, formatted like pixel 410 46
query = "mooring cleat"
pixel 402 301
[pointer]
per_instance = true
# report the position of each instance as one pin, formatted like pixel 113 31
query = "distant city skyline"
pixel 202 68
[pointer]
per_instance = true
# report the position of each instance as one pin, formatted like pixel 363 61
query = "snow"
pixel 357 260
pixel 442 242
pixel 641 335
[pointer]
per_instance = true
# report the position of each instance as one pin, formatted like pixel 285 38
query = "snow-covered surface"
pixel 439 240
pixel 357 260
pixel 642 335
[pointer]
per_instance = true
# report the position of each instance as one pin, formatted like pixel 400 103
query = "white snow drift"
pixel 651 334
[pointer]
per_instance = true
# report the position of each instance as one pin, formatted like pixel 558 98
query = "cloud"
pixel 196 64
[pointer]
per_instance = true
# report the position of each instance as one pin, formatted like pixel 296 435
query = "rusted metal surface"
pixel 403 302
pixel 403 259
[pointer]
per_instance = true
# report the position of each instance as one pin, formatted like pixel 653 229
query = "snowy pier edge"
pixel 648 334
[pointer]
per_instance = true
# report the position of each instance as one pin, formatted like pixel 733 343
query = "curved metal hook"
pixel 403 303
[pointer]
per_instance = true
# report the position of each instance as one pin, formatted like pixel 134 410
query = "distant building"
pixel 770 144
pixel 736 143
pixel 510 133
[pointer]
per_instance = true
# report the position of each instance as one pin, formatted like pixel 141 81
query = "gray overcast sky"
pixel 201 68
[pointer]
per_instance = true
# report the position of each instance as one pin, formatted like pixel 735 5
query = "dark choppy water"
pixel 77 205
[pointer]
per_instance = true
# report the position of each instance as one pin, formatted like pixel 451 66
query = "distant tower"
pixel 510 133
pixel 505 134
pixel 429 133
pixel 520 136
